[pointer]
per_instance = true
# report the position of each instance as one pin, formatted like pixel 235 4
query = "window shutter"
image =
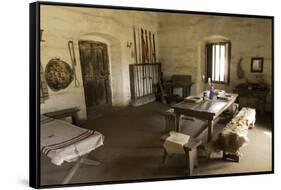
pixel 209 59
pixel 218 62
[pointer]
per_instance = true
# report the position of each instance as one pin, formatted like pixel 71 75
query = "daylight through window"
pixel 218 55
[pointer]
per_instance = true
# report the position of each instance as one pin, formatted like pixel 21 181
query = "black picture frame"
pixel 257 64
pixel 34 98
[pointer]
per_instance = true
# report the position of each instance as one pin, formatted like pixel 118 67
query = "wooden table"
pixel 69 112
pixel 208 110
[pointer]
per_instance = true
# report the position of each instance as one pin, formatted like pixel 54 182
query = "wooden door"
pixel 95 72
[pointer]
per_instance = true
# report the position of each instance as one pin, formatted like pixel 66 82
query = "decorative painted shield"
pixel 58 74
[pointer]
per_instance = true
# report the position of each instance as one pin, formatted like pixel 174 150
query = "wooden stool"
pixel 190 150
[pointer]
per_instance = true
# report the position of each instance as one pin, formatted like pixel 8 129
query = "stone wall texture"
pixel 182 40
pixel 113 27
pixel 180 44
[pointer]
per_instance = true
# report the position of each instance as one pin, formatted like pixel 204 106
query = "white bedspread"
pixel 62 141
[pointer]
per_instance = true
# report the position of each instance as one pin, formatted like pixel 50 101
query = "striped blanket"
pixel 62 141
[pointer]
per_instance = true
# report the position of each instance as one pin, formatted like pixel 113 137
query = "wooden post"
pixel 132 82
pixel 189 162
pixel 164 156
pixel 210 130
pixel 177 122
pixel 135 45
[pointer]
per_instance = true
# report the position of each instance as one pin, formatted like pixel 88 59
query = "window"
pixel 218 59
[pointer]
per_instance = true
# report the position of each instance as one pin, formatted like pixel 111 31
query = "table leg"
pixel 210 130
pixel 90 162
pixel 73 170
pixel 177 122
pixel 189 163
pixel 164 156
pixel 81 160
pixel 190 159
pixel 74 119
pixel 183 92
pixel 264 105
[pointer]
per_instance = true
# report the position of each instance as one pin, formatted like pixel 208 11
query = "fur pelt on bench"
pixel 234 135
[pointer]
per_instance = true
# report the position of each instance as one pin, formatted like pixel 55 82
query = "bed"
pixel 64 142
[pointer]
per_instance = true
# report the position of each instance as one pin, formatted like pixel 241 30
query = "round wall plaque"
pixel 58 74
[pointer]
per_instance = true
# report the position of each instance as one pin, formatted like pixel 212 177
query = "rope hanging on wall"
pixel 73 60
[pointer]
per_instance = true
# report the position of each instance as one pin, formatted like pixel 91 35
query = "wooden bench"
pixel 189 149
pixel 170 119
pixel 234 135
pixel 63 113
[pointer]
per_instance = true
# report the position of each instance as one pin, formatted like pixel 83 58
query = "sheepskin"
pixel 234 135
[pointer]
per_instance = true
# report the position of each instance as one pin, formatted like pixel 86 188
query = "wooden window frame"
pixel 209 66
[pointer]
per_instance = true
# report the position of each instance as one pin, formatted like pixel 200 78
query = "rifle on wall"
pixel 146 48
pixel 150 48
pixel 139 44
pixel 154 50
pixel 135 45
pixel 143 60
pixel 142 46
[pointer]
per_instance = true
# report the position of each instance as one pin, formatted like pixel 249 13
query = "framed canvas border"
pixel 34 98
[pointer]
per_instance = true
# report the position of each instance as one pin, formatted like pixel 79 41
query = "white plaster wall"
pixel 180 42
pixel 182 39
pixel 114 27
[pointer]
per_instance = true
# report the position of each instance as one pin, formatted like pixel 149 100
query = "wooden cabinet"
pixel 255 91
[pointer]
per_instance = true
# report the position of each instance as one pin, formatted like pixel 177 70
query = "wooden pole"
pixel 146 47
pixel 135 45
pixel 154 49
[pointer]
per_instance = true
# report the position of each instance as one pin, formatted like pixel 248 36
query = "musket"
pixel 143 61
pixel 146 48
pixel 154 49
pixel 142 47
pixel 135 45
pixel 151 73
pixel 139 43
pixel 140 57
pixel 150 48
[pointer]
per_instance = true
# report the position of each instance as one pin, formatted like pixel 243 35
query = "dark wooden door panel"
pixel 95 71
pixel 96 94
